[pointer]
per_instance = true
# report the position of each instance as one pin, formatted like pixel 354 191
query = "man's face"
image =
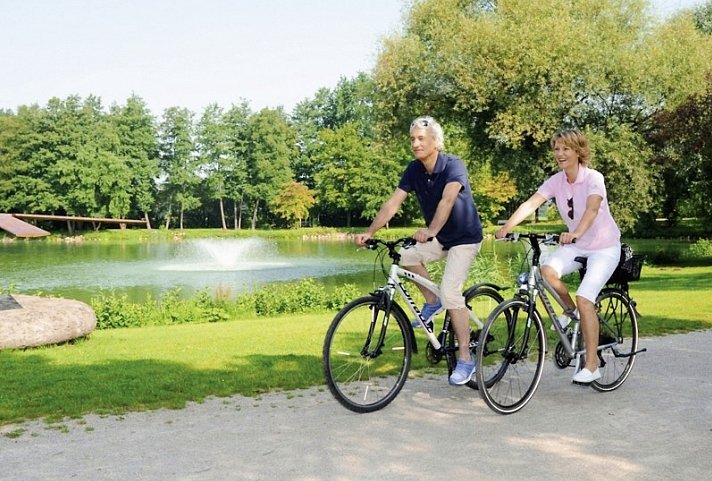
pixel 422 144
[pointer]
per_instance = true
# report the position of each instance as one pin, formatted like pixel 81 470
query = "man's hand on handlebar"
pixel 362 238
pixel 500 233
pixel 423 235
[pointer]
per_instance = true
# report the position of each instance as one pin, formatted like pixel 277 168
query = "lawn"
pixel 120 370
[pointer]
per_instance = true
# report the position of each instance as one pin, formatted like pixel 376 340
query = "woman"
pixel 580 194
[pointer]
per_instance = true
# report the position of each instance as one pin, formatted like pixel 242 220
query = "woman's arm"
pixel 526 209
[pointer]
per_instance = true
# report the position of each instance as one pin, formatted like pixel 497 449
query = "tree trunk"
pixel 239 212
pixel 70 227
pixel 181 218
pixel 222 214
pixel 254 215
pixel 234 213
pixel 148 221
pixel 168 217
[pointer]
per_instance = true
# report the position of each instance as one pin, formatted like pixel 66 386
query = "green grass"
pixel 120 370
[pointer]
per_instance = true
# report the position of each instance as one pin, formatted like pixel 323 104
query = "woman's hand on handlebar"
pixel 567 238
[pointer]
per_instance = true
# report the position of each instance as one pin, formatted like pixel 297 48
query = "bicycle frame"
pixel 537 287
pixel 394 284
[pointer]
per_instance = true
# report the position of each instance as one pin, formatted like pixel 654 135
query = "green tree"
pixel 271 146
pixel 24 178
pixel 683 143
pixel 138 147
pixel 178 163
pixel 513 72
pixel 356 176
pixel 213 154
pixel 236 124
pixel 703 18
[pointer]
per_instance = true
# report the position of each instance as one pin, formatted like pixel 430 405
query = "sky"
pixel 190 53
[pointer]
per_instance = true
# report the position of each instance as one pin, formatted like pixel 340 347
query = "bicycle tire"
pixel 481 300
pixel 510 356
pixel 364 382
pixel 619 328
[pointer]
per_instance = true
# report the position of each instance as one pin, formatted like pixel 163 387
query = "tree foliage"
pixel 293 202
pixel 501 76
pixel 514 72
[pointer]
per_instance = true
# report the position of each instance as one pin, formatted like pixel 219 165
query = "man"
pixel 453 230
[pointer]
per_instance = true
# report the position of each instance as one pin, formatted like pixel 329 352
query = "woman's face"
pixel 564 155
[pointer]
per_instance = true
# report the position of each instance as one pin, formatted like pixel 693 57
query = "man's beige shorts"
pixel 457 266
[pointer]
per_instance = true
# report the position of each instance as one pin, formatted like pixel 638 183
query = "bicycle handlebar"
pixel 531 236
pixel 390 245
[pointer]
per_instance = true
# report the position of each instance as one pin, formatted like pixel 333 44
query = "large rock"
pixel 29 321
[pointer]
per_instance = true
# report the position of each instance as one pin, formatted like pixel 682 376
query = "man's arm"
pixel 385 213
pixel 442 213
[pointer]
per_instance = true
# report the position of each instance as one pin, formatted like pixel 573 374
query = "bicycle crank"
pixel 561 358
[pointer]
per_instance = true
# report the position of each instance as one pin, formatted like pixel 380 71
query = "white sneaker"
pixel 584 376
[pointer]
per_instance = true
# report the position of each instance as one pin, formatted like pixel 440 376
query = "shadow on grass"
pixel 33 388
pixel 673 280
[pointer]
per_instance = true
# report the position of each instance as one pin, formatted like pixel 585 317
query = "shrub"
pixel 701 248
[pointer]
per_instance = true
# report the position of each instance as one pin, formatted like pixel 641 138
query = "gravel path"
pixel 657 426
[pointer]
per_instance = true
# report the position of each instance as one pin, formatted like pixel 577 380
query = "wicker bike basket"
pixel 629 267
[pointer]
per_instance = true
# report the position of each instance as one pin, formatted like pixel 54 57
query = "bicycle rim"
pixel 618 327
pixel 362 374
pixel 510 357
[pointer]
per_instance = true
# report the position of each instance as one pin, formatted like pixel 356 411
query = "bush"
pixel 701 248
pixel 115 311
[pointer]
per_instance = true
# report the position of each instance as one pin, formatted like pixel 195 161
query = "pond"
pixel 84 270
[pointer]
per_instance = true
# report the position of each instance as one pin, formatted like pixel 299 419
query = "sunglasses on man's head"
pixel 570 204
pixel 420 123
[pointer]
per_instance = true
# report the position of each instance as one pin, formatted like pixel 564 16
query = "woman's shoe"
pixel 584 376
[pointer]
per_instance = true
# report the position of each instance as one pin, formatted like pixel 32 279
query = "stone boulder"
pixel 29 321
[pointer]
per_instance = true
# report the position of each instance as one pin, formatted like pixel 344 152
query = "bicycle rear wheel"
pixel 510 357
pixel 481 300
pixel 619 332
pixel 365 359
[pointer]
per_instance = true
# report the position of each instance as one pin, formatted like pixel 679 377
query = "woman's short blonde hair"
pixel 576 140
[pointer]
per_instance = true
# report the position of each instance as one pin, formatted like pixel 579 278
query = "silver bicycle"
pixel 368 346
pixel 513 341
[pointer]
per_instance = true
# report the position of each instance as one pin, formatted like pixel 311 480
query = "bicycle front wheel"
pixel 366 355
pixel 510 357
pixel 619 335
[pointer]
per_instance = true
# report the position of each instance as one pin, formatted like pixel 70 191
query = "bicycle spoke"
pixel 364 365
pixel 619 333
pixel 510 357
